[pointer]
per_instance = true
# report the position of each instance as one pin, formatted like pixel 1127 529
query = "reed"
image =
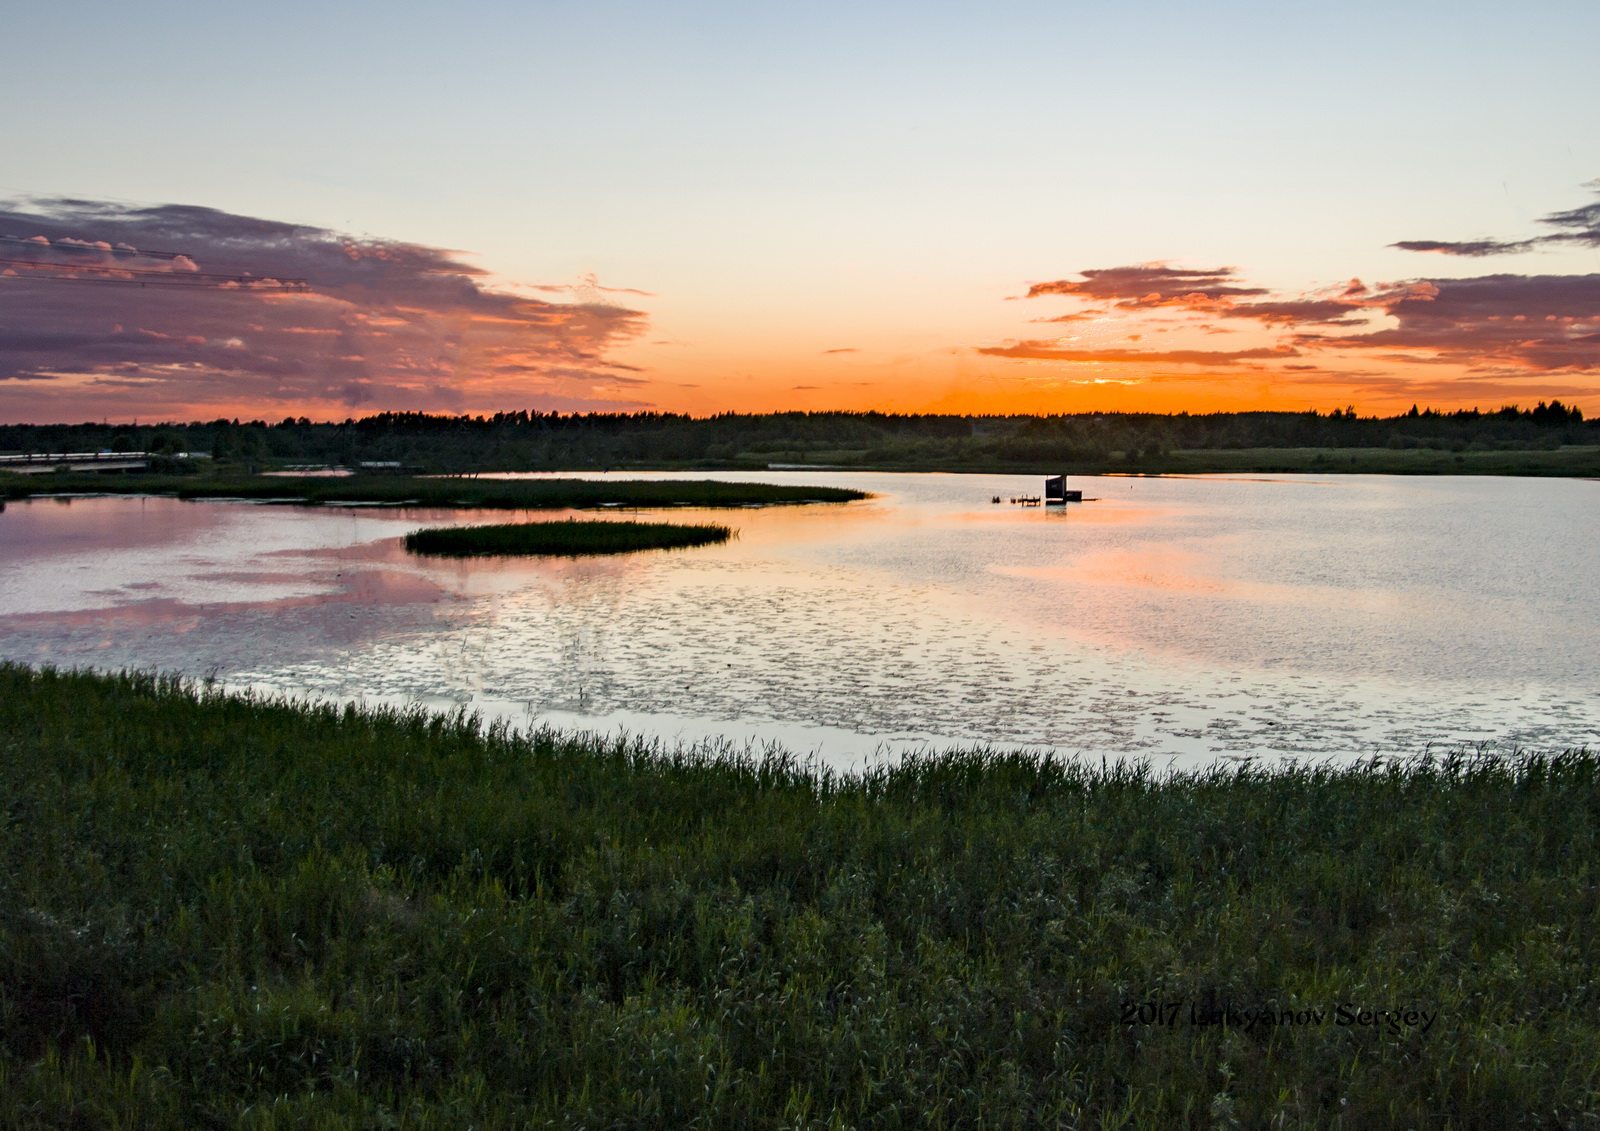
pixel 219 910
pixel 571 538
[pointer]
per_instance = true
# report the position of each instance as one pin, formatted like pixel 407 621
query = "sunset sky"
pixel 707 207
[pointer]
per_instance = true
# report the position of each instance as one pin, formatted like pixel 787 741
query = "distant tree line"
pixel 534 440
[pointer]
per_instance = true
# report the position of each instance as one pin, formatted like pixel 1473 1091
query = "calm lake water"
pixel 1194 618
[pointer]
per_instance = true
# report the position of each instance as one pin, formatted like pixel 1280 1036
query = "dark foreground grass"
pixel 509 494
pixel 220 912
pixel 571 537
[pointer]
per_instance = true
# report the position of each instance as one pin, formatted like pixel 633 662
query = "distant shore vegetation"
pixel 206 482
pixel 223 911
pixel 1547 439
pixel 572 538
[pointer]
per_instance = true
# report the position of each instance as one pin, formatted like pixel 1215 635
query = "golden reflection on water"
pixel 1190 572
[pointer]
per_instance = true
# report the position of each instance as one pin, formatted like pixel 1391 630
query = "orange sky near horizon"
pixel 1009 361
pixel 371 325
pixel 961 382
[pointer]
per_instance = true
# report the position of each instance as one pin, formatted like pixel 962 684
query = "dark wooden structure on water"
pixel 1056 493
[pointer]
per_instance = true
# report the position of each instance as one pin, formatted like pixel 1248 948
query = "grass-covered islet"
pixel 572 537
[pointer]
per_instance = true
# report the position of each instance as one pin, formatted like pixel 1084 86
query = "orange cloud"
pixel 1045 351
pixel 1539 323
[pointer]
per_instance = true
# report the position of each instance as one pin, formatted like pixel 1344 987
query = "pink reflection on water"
pixel 1222 615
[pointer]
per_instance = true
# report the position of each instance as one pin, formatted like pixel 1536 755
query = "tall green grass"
pixel 219 911
pixel 571 537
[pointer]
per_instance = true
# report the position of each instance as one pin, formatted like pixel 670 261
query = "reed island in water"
pixel 570 538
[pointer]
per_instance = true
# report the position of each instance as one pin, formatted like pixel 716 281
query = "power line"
pixel 129 276
pixel 137 277
pixel 85 246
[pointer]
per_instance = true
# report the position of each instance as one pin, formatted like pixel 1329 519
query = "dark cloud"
pixel 1504 324
pixel 1582 225
pixel 1579 226
pixel 1148 284
pixel 1295 312
pixel 1466 247
pixel 1543 323
pixel 1212 291
pixel 1504 335
pixel 148 326
pixel 1049 351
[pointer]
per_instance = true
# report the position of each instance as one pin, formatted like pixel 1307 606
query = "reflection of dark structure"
pixel 1055 491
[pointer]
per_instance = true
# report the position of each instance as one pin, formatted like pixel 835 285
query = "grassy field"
pixel 561 538
pixel 218 912
pixel 509 494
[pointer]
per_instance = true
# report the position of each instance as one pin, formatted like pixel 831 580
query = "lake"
pixel 1183 619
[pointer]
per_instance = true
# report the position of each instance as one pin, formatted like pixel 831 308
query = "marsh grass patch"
pixel 572 538
pixel 219 910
